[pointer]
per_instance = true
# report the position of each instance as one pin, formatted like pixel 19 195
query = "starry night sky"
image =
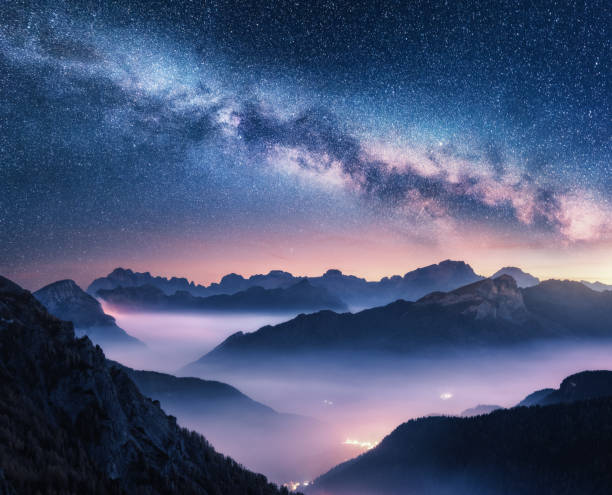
pixel 197 138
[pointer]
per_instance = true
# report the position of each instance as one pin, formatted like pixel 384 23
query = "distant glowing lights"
pixel 294 485
pixel 446 396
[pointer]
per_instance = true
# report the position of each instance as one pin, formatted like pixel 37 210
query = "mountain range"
pixel 67 301
pixel 487 312
pixel 561 446
pixel 598 286
pixel 301 296
pixel 522 278
pixel 72 422
pixel 355 291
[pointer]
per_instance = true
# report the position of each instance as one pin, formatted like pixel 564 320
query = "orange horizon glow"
pixel 372 252
pixel 370 258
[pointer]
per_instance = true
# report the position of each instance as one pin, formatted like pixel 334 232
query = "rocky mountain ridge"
pixel 67 301
pixel 87 427
pixel 302 296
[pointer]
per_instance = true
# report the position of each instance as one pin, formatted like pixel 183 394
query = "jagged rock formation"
pixel 522 278
pixel 491 298
pixel 301 296
pixel 444 276
pixel 488 312
pixel 67 301
pixel 121 277
pixel 71 422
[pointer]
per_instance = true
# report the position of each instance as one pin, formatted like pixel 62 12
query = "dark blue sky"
pixel 203 137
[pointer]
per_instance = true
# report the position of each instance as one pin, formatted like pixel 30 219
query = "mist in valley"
pixel 336 406
pixel 175 339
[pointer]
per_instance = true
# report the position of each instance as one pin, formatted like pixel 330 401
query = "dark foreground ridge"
pixel 557 449
pixel 580 386
pixel 71 422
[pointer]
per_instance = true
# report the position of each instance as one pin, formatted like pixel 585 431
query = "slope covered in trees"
pixel 561 449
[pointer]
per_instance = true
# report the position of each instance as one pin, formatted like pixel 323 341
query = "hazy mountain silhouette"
pixel 301 296
pixel 598 286
pixel 67 301
pixel 572 306
pixel 562 448
pixel 208 400
pixel 522 278
pixel 201 397
pixel 444 276
pixel 72 421
pixel 478 410
pixel 580 386
pixel 534 398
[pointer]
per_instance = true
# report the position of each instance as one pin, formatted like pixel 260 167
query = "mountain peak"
pixel 333 272
pixel 9 287
pixel 120 273
pixel 488 298
pixel 63 291
pixel 67 301
pixel 446 269
pixel 523 279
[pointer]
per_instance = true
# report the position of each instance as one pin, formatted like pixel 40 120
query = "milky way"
pixel 130 129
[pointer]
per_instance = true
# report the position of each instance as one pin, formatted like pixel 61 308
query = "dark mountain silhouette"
pixel 67 301
pixel 197 396
pixel 444 276
pixel 479 409
pixel 488 312
pixel 581 386
pixel 301 296
pixel 275 279
pixel 535 397
pixel 121 277
pixel 356 291
pixel 522 278
pixel 211 400
pixel 72 422
pixel 551 450
pixel 572 306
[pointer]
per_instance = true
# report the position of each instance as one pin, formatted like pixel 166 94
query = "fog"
pixel 352 401
pixel 175 339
